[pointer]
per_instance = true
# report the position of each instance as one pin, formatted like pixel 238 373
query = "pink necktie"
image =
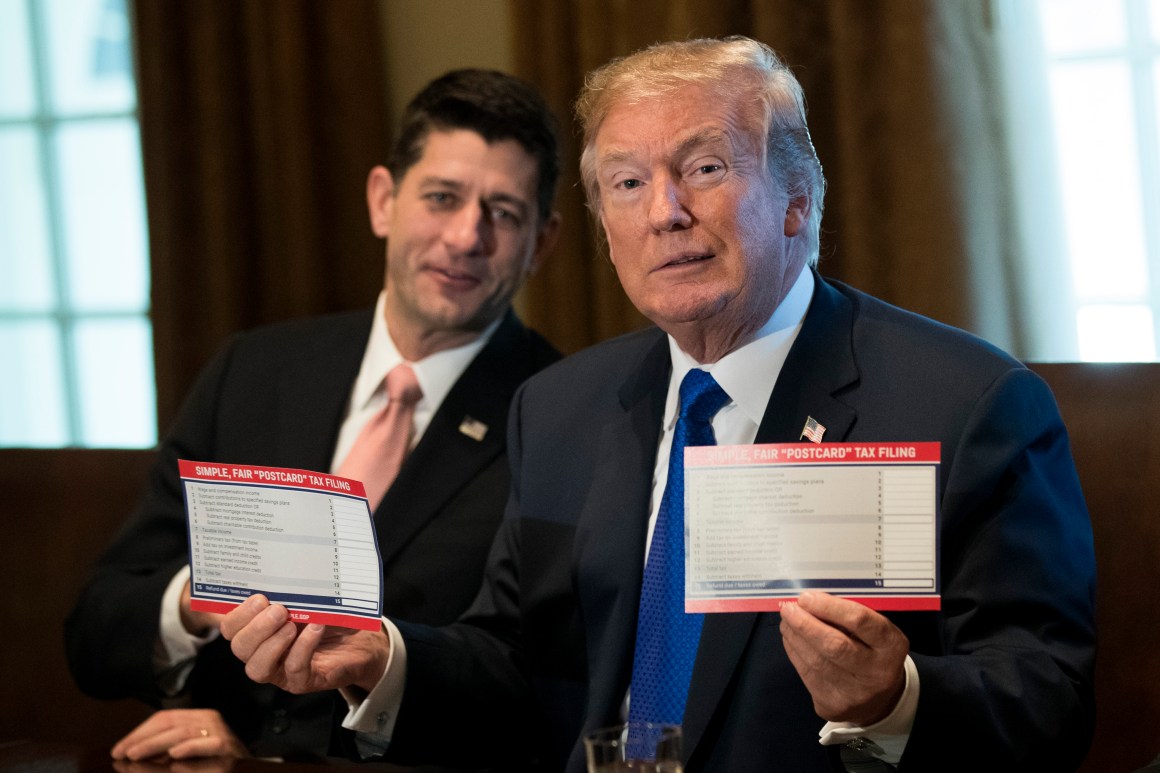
pixel 378 452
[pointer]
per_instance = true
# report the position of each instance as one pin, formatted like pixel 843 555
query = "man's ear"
pixel 380 200
pixel 796 215
pixel 546 237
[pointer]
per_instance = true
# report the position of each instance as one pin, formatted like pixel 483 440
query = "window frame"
pixel 45 121
pixel 1047 285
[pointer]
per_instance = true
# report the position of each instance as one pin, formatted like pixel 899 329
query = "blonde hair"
pixel 737 68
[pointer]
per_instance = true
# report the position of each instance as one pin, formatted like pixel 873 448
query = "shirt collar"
pixel 436 373
pixel 748 373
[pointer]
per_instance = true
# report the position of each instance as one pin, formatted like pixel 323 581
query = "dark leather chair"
pixel 1112 412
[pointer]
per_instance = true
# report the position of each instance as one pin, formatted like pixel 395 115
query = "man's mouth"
pixel 457 277
pixel 681 260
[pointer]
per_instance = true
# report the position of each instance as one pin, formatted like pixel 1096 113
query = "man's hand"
pixel 196 623
pixel 181 734
pixel 303 659
pixel 849 656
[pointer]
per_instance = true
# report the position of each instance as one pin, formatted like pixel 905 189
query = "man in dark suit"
pixel 699 166
pixel 466 208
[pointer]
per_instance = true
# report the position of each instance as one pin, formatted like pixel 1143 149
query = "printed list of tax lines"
pixel 284 541
pixel 752 526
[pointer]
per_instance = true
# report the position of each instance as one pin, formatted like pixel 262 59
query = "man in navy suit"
pixel 699 166
pixel 465 204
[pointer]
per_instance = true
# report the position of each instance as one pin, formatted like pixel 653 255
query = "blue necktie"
pixel 666 637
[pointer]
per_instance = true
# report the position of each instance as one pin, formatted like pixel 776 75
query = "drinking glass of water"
pixel 634 746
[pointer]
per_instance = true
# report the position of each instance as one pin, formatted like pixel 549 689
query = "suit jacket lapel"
pixel 446 458
pixel 611 532
pixel 315 391
pixel 819 364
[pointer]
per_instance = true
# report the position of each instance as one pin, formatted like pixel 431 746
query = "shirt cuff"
pixel 886 739
pixel 176 647
pixel 373 717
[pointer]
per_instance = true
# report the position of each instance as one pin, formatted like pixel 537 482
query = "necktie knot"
pixel 402 385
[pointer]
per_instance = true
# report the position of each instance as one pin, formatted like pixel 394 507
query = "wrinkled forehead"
pixel 673 124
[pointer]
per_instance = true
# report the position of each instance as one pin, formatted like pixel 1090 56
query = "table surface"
pixel 36 756
pixel 30 756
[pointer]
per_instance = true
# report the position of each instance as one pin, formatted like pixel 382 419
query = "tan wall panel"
pixel 426 38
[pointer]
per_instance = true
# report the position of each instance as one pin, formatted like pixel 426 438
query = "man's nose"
pixel 468 231
pixel 667 207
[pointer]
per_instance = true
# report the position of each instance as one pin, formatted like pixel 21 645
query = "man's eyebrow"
pixel 695 141
pixel 615 157
pixel 700 139
pixel 444 182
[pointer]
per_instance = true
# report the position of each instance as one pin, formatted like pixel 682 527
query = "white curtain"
pixel 1042 272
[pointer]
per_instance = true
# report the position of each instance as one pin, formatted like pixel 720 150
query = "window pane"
pixel 32 402
pixel 25 261
pixel 90 63
pixel 104 215
pixel 115 382
pixel 1075 26
pixel 17 93
pixel 1116 334
pixel 1099 171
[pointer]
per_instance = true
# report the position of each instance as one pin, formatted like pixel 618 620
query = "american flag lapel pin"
pixel 812 431
pixel 473 428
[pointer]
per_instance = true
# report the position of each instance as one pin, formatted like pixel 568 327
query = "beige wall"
pixel 425 38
